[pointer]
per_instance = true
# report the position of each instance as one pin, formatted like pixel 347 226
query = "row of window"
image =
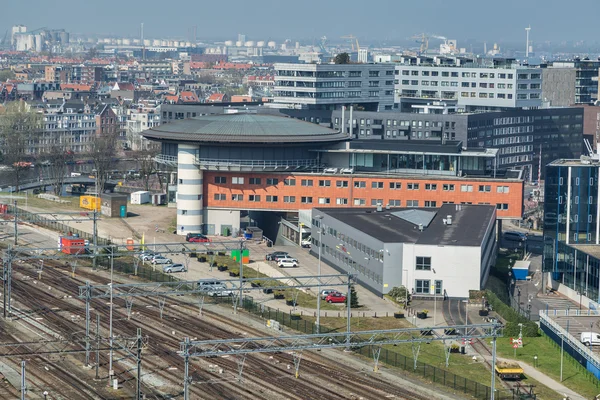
pixel 464 74
pixel 357 185
pixel 516 159
pixel 352 265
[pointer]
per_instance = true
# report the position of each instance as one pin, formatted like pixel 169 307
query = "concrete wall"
pixel 457 267
pixel 335 245
pixel 216 220
pixel 558 86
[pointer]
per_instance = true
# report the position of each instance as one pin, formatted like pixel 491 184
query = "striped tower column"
pixel 189 191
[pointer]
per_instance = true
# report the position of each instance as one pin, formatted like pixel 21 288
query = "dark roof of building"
pixel 244 128
pixel 468 227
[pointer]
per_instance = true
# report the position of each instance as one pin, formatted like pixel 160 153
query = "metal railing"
pixel 207 162
pixel 165 159
pixel 577 346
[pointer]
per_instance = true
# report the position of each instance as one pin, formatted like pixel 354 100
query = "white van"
pixel 588 338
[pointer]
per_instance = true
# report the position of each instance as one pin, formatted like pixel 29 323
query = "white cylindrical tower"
pixel 189 191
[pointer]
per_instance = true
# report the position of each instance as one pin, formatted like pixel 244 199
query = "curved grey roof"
pixel 244 128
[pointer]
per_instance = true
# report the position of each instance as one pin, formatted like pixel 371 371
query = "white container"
pixel 141 197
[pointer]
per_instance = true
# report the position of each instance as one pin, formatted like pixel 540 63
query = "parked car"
pixel 147 256
pixel 588 338
pixel 515 236
pixel 193 237
pixel 273 256
pixel 306 242
pixel 161 260
pixel 214 288
pixel 199 239
pixel 327 292
pixel 288 258
pixel 174 268
pixel 335 298
pixel 286 263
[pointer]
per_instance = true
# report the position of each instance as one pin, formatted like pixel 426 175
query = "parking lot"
pixel 577 324
pixel 307 267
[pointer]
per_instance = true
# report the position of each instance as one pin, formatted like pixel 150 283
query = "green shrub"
pixel 512 318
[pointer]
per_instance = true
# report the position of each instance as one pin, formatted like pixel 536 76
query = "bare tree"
pixel 102 151
pixel 57 158
pixel 18 130
pixel 146 163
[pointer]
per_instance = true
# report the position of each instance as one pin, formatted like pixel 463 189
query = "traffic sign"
pixel 515 346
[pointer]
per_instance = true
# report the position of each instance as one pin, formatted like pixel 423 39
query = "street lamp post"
pixel 318 327
pixel 562 341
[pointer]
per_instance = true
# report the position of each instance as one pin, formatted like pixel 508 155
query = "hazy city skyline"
pixel 380 20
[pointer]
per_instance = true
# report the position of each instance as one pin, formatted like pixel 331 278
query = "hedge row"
pixel 512 318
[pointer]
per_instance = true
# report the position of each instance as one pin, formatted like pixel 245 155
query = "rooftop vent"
pixel 379 207
pixel 449 220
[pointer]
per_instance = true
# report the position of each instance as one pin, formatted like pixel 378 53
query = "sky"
pixel 375 20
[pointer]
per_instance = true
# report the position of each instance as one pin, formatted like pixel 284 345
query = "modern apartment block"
pixel 518 134
pixel 473 86
pixel 585 83
pixel 330 86
pixel 571 229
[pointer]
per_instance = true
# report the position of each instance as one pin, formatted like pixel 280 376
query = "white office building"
pixel 330 86
pixel 448 250
pixel 473 86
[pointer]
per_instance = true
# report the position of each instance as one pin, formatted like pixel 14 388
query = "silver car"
pixel 174 268
pixel 161 260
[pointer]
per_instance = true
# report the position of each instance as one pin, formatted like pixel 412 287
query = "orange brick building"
pixel 301 191
pixel 237 170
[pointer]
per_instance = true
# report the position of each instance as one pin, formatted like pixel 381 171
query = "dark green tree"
pixel 342 58
pixel 6 74
pixel 353 297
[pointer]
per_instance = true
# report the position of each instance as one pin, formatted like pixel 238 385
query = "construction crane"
pixel 351 40
pixel 323 44
pixel 423 39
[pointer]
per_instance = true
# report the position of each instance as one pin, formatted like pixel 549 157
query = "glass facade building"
pixel 571 229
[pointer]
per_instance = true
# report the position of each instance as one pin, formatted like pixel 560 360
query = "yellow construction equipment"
pixel 351 40
pixel 423 39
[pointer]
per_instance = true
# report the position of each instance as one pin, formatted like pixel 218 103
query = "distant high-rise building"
pixel 241 38
pixel 363 55
pixel 14 31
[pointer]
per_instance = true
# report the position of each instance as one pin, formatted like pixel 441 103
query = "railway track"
pixel 265 376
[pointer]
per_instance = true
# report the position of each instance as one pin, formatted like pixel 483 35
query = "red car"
pixel 335 298
pixel 198 239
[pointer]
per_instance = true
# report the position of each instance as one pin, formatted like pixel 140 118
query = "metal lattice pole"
pixel 110 334
pixel 318 327
pixel 493 368
pixel 8 288
pixel 139 364
pixel 95 237
pixel 23 381
pixel 97 345
pixel 186 372
pixel 87 323
pixel 16 223
pixel 241 272
pixel 349 306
